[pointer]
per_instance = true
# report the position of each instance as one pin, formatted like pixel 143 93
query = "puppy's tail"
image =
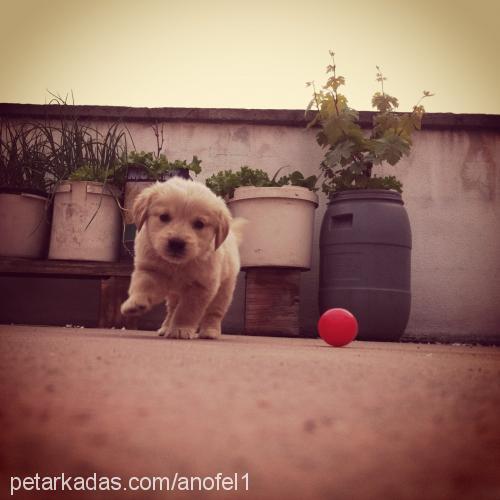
pixel 237 227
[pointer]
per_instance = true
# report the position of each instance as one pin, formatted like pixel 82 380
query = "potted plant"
pixel 143 169
pixel 365 241
pixel 155 166
pixel 158 167
pixel 280 212
pixel 86 221
pixel 23 191
pixel 277 242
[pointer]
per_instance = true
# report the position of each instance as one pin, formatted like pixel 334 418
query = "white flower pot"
pixel 86 222
pixel 280 225
pixel 23 225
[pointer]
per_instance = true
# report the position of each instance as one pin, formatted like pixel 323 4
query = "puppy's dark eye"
pixel 198 224
pixel 165 218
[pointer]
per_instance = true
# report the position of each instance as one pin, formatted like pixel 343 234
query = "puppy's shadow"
pixel 150 335
pixel 121 334
pixel 154 335
pixel 133 335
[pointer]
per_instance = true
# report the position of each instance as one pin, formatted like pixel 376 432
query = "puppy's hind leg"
pixel 166 326
pixel 210 327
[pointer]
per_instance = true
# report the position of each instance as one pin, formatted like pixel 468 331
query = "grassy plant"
pixel 23 160
pixel 79 151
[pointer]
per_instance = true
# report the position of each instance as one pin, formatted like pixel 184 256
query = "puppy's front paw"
pixel 163 330
pixel 181 333
pixel 210 333
pixel 135 306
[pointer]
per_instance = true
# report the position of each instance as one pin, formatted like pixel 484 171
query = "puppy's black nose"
pixel 176 245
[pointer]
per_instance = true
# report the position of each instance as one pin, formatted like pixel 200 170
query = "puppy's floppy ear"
pixel 223 221
pixel 140 208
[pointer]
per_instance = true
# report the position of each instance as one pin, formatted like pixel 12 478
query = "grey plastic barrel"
pixel 365 261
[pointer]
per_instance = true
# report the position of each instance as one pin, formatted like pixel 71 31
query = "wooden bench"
pixel 271 294
pixel 114 282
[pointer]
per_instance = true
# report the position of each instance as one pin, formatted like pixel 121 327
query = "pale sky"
pixel 250 53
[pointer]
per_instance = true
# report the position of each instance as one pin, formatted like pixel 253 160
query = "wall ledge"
pixel 285 117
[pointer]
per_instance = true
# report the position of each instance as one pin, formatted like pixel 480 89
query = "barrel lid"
pixel 367 194
pixel 295 192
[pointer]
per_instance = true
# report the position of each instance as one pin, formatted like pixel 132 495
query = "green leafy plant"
pixel 156 164
pixel 23 159
pixel 351 153
pixel 225 182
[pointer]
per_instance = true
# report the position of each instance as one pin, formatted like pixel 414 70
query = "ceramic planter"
pixel 280 225
pixel 23 224
pixel 86 222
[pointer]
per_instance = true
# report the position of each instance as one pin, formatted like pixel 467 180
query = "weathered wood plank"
pixel 113 293
pixel 272 302
pixel 64 267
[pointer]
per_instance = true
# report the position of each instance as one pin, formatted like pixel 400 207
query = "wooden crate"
pixel 272 302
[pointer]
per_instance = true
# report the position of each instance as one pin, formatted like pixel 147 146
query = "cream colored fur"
pixel 197 280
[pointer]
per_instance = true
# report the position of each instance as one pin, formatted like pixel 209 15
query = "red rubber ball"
pixel 337 327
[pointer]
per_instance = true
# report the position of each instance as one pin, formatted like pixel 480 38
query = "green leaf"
pixel 334 82
pixel 339 152
pixel 383 122
pixel 390 148
pixel 384 102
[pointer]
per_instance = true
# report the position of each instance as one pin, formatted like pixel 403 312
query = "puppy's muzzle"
pixel 176 247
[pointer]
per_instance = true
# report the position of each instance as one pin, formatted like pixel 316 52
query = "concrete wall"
pixel 451 191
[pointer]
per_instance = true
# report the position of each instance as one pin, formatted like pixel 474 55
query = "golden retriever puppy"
pixel 186 254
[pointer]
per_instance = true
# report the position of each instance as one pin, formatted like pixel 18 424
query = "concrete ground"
pixel 291 418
